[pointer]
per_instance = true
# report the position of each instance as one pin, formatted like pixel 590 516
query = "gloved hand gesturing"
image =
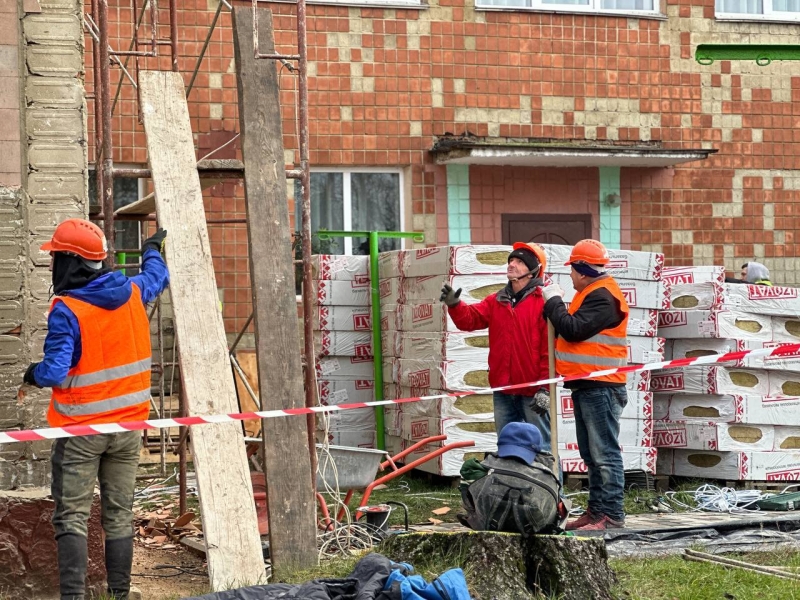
pixel 541 401
pixel 449 296
pixel 551 291
pixel 155 241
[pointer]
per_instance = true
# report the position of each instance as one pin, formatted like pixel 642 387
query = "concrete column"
pixel 51 166
pixel 610 216
pixel 458 221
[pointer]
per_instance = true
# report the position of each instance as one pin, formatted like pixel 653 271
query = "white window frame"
pixel 767 15
pixel 347 204
pixel 594 7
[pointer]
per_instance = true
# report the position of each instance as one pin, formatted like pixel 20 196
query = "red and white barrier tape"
pixel 33 435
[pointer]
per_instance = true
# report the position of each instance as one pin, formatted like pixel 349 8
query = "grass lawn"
pixel 676 579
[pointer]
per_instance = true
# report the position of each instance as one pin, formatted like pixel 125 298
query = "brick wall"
pixel 384 82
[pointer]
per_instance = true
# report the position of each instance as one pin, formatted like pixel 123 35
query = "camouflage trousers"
pixel 78 463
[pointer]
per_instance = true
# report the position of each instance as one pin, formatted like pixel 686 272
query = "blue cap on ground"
pixel 521 440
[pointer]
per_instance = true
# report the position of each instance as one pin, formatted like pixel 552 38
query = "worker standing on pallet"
pixel 97 360
pixel 592 337
pixel 517 339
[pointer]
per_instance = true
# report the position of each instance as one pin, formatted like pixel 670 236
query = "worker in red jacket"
pixel 97 361
pixel 517 338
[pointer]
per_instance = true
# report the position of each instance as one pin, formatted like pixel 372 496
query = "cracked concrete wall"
pixel 53 174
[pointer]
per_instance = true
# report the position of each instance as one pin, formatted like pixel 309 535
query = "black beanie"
pixel 528 257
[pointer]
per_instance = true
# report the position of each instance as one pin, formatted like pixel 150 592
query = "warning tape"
pixel 52 433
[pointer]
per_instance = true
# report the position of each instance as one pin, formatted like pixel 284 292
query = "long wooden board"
pixel 290 501
pixel 212 172
pixel 230 526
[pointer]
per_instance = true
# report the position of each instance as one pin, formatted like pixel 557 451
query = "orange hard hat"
pixel 537 250
pixel 591 252
pixel 80 237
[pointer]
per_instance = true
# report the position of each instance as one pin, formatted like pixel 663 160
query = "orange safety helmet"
pixel 590 252
pixel 537 250
pixel 80 237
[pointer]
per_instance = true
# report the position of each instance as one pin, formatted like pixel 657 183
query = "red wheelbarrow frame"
pixel 396 472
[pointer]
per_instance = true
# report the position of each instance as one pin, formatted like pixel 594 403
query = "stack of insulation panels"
pixel 738 420
pixel 343 345
pixel 429 355
pixel 639 277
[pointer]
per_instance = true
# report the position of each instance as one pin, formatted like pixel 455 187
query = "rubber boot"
pixel 73 555
pixel 119 559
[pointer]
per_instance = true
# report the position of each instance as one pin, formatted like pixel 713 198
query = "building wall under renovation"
pixel 385 82
pixel 48 186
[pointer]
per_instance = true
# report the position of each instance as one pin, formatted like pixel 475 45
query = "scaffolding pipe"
pixel 107 189
pixel 308 325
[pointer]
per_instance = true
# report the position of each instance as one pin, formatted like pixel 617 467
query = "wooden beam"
pixel 290 501
pixel 211 172
pixel 230 525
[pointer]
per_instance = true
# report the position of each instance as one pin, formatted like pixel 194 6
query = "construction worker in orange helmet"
pixel 97 361
pixel 592 336
pixel 517 338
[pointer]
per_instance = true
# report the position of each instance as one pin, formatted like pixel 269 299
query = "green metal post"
pixel 377 346
pixel 374 275
pixel 122 258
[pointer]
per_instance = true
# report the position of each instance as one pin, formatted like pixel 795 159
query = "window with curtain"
pixel 596 6
pixel 781 10
pixel 355 200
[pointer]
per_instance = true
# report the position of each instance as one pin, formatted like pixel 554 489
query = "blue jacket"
pixel 62 346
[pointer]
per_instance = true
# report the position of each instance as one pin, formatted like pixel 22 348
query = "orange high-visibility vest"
pixel 606 350
pixel 111 382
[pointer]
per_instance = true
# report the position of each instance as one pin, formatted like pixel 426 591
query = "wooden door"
pixel 546 229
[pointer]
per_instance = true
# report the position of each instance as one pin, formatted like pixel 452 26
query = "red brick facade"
pixel 385 82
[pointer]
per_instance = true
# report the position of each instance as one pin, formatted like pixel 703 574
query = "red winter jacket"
pixel 517 337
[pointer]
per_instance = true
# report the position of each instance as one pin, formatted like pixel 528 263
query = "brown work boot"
pixel 584 519
pixel 601 522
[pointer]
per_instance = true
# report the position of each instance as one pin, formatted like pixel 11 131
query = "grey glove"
pixel 450 297
pixel 541 402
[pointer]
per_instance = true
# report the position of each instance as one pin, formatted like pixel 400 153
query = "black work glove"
pixel 28 377
pixel 450 297
pixel 155 241
pixel 541 402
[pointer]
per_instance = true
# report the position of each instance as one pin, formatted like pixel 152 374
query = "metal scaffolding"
pixel 145 17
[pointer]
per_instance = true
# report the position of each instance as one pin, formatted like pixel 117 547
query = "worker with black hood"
pixel 97 360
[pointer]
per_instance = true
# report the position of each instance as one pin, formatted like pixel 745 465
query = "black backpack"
pixel 513 496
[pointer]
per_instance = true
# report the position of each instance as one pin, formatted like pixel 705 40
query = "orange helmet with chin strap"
pixel 78 236
pixel 590 252
pixel 537 251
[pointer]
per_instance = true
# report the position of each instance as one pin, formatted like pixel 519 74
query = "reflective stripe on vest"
pixel 105 375
pixel 101 406
pixel 111 381
pixel 607 349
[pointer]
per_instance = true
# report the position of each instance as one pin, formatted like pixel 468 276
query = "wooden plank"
pixel 292 513
pixel 249 363
pixel 230 525
pixel 211 173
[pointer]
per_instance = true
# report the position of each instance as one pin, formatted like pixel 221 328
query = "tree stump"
pixel 504 566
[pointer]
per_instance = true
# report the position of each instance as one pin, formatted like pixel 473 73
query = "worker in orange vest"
pixel 97 360
pixel 592 337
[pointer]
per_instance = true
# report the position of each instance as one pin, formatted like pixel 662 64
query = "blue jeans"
pixel 597 412
pixel 510 408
